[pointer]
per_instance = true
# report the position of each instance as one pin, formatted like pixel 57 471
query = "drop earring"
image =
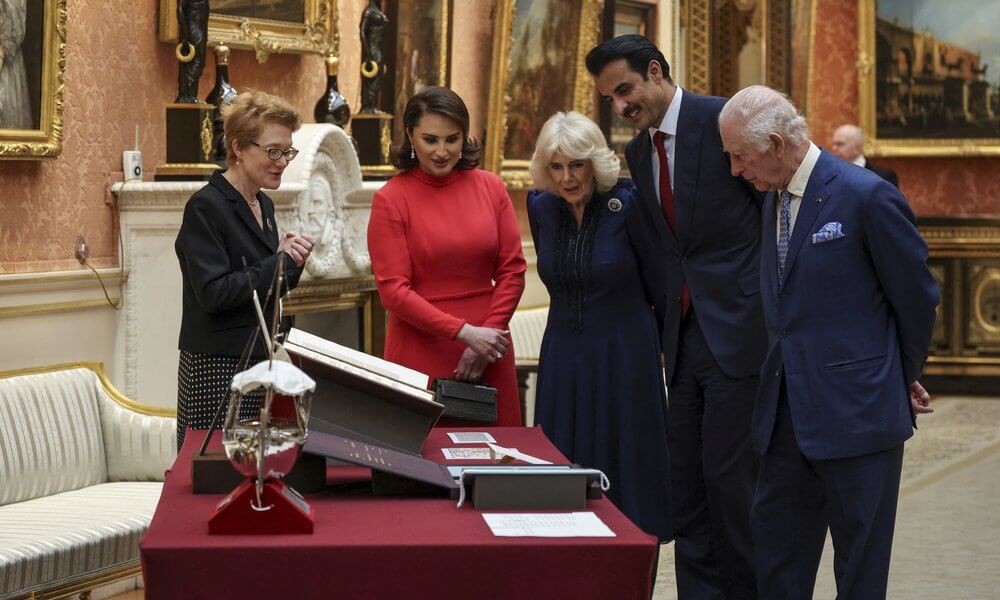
pixel 413 155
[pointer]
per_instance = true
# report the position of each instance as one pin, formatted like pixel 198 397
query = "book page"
pixel 358 359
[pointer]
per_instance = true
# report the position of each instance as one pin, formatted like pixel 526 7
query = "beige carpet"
pixel 948 524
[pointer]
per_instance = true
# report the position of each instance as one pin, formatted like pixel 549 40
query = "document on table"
pixel 470 453
pixel 471 437
pixel 576 524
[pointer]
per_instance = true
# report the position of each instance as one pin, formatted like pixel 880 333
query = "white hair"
pixel 764 111
pixel 578 138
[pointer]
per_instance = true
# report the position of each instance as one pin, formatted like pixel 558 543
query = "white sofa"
pixel 81 470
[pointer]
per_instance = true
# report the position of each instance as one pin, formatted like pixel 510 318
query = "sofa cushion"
pixel 50 434
pixel 139 447
pixel 56 537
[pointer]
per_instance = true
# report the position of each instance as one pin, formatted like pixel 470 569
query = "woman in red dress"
pixel 446 252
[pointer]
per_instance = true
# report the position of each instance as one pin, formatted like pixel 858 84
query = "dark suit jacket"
pixel 717 246
pixel 223 256
pixel 887 174
pixel 850 328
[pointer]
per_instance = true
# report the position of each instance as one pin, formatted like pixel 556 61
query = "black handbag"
pixel 467 401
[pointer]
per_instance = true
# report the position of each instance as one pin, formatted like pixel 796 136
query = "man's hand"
pixel 920 399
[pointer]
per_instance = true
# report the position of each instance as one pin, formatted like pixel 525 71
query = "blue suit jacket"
pixel 717 246
pixel 850 327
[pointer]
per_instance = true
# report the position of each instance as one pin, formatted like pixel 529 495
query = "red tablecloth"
pixel 367 547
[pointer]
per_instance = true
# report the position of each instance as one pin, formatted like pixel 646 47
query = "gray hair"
pixel 764 111
pixel 578 138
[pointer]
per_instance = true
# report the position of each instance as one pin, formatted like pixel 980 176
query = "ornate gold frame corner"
pixel 698 17
pixel 867 13
pixel 515 172
pixel 46 141
pixel 315 35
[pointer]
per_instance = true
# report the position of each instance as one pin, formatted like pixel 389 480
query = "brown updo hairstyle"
pixel 440 101
pixel 249 113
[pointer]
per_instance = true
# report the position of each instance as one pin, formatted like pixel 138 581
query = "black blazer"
pixel 223 256
pixel 717 247
pixel 887 174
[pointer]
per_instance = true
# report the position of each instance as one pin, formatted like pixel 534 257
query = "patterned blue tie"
pixel 784 230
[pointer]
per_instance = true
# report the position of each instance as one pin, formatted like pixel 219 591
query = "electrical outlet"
pixel 82 250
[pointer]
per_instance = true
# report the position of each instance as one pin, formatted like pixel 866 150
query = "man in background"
pixel 849 144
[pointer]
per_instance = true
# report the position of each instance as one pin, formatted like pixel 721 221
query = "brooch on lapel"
pixel 267 223
pixel 614 205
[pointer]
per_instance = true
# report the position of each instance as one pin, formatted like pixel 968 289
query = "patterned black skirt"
pixel 203 381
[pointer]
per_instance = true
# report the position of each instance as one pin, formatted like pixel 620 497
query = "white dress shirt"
pixel 796 188
pixel 861 161
pixel 669 127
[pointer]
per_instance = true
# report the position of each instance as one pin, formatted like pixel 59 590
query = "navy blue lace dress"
pixel 600 395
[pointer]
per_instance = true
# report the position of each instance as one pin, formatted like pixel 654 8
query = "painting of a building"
pixel 931 88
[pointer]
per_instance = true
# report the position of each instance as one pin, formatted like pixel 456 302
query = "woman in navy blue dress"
pixel 600 395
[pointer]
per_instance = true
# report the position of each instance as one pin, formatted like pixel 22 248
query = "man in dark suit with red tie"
pixel 713 335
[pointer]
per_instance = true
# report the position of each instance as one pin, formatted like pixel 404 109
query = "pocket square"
pixel 830 231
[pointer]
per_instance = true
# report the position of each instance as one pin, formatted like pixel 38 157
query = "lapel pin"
pixel 819 200
pixel 268 222
pixel 614 205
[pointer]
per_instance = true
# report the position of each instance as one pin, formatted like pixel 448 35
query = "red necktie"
pixel 667 204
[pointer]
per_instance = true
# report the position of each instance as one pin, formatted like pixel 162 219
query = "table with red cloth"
pixel 372 547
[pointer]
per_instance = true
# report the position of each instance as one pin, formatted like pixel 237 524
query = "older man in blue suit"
pixel 850 305
pixel 713 336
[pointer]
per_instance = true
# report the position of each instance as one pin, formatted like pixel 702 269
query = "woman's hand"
pixel 471 366
pixel 491 344
pixel 298 246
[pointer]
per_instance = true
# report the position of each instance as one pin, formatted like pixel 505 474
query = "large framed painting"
pixel 32 64
pixel 926 86
pixel 420 44
pixel 264 26
pixel 538 69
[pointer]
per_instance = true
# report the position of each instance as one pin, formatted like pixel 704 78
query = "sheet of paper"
pixel 513 453
pixel 469 453
pixel 576 524
pixel 471 437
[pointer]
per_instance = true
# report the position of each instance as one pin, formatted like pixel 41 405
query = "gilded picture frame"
pixel 421 51
pixel 717 37
pixel 32 80
pixel 516 110
pixel 913 104
pixel 310 28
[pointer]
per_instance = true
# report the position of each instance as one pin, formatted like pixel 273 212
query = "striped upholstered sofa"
pixel 81 469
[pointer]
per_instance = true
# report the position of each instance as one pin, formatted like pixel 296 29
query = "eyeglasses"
pixel 275 154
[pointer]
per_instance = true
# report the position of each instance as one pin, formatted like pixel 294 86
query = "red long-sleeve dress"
pixel 446 251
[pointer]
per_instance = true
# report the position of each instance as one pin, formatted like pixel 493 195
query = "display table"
pixel 368 547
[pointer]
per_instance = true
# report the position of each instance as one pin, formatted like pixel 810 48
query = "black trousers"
pixel 797 499
pixel 713 473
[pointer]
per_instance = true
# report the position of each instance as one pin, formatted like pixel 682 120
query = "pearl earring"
pixel 413 155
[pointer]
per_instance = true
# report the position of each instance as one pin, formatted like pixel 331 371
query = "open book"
pixel 363 397
pixel 357 359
